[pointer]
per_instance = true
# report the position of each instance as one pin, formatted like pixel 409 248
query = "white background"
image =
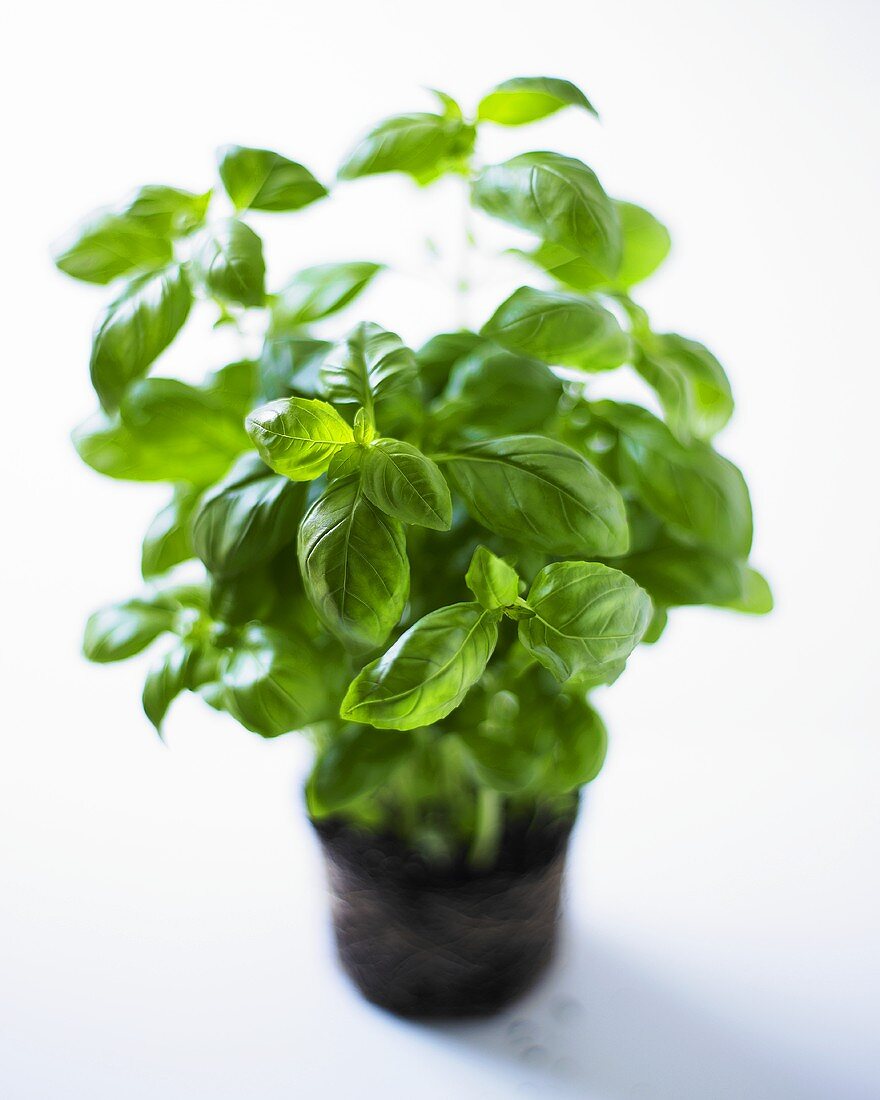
pixel 162 922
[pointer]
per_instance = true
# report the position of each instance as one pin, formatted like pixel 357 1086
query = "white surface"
pixel 162 926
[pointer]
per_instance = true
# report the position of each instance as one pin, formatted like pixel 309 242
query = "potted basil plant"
pixel 424 560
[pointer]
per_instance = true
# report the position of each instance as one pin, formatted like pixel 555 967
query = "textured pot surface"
pixel 427 943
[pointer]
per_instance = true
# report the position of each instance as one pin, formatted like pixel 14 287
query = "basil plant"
pixel 425 560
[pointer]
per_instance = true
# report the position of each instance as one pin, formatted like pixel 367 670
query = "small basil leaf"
pixel 109 245
pixel 588 617
pixel 298 437
pixel 541 492
pixel 498 391
pixel 230 263
pixel 684 575
pixel 354 564
pixel 422 145
pixel 135 329
pixel 493 582
pixel 243 597
pixel 258 179
pixel 271 684
pixel 290 366
pixel 406 484
pixel 427 672
pixel 701 496
pixel 165 681
pixel 756 597
pixel 245 519
pixel 436 358
pixel 121 630
pixel 369 364
pixel 580 745
pixel 528 98
pixel 356 761
pixel 318 292
pixel 656 626
pixel 690 382
pixel 560 329
pixel 167 211
pixel 499 764
pixel 558 198
pixel 234 386
pixel 167 541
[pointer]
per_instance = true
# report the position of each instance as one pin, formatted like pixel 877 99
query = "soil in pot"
pixel 448 942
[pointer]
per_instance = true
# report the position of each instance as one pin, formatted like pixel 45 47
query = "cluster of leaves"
pixel 425 559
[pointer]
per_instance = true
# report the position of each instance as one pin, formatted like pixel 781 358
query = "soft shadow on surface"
pixel 597 1026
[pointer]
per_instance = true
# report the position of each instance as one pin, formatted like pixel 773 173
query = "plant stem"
pixel 487 829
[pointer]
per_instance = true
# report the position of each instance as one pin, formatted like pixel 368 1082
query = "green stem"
pixel 487 830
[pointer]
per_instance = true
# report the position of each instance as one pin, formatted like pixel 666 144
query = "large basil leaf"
pixel 690 382
pixel 496 390
pixel 369 364
pixel 420 144
pixel 701 496
pixel 680 575
pixel 318 292
pixel 580 743
pixel 234 386
pixel 588 618
pixel 121 630
pixel 354 763
pixel 560 329
pixel 230 263
pixel 493 582
pixel 271 684
pixel 167 541
pixel 109 245
pixel 290 366
pixel 298 437
pixel 436 358
pixel 166 680
pixel 498 762
pixel 406 484
pixel 167 211
pixel 135 329
pixel 241 598
pixel 246 518
pixel 528 98
pixel 427 672
pixel 646 244
pixel 557 197
pixel 354 564
pixel 536 490
pixel 258 179
pixel 164 430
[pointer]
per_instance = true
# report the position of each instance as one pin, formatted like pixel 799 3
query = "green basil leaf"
pixel 646 244
pixel 167 541
pixel 230 263
pixel 528 98
pixel 436 358
pixel 690 382
pixel 588 617
pixel 354 564
pixel 165 681
pixel 498 391
pixel 109 245
pixel 234 386
pixel 558 198
pixel 420 144
pixel 271 684
pixel 298 437
pixel 493 582
pixel 580 745
pixel 258 179
pixel 499 764
pixel 121 630
pixel 356 761
pixel 536 490
pixel 657 625
pixel 427 672
pixel 406 484
pixel 242 598
pixel 245 519
pixel 683 575
pixel 369 364
pixel 318 292
pixel 164 430
pixel 290 366
pixel 756 597
pixel 701 496
pixel 560 328
pixel 135 329
pixel 167 211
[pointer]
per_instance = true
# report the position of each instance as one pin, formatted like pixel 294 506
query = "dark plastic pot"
pixel 445 944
